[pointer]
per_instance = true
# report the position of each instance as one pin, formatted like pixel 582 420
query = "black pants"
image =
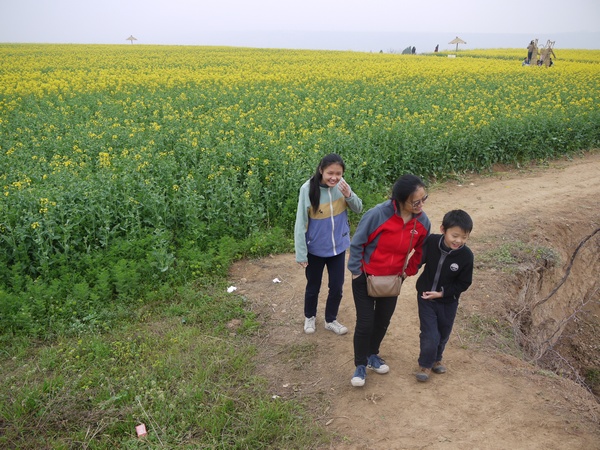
pixel 314 276
pixel 436 321
pixel 373 317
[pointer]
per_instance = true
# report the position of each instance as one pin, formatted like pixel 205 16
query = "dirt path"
pixel 488 399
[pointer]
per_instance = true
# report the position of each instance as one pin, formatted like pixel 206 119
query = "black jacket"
pixel 447 271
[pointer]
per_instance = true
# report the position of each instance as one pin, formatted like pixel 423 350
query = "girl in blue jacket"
pixel 322 235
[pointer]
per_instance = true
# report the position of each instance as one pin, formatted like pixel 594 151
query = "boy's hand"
pixel 430 295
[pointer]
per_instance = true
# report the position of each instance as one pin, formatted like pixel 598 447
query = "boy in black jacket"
pixel 448 273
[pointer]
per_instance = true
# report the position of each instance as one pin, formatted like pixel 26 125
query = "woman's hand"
pixel 303 264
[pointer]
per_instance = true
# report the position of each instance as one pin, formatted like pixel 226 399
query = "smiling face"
pixel 332 174
pixel 415 202
pixel 454 237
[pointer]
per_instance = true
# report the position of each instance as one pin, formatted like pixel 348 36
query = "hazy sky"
pixel 279 22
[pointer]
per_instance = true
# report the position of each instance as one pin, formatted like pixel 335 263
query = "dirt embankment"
pixel 535 284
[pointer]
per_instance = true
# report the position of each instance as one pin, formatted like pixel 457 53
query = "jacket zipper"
pixel 332 221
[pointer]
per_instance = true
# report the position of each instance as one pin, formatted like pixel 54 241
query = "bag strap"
pixel 412 235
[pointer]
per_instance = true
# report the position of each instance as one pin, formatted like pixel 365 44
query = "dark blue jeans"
pixel 314 276
pixel 436 321
pixel 373 316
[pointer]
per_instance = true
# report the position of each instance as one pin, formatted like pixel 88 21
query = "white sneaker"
pixel 336 327
pixel 377 364
pixel 309 325
pixel 358 379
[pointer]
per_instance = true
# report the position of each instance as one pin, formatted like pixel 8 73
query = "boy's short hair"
pixel 458 218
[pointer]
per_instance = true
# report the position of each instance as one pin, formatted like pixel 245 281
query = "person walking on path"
pixel 383 241
pixel 448 273
pixel 322 236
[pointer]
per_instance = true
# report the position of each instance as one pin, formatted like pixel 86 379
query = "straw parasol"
pixel 457 41
pixel 131 38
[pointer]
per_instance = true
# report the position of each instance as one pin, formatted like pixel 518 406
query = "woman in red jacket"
pixel 380 246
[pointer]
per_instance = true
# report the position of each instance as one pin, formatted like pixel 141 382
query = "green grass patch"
pixel 488 331
pixel 508 256
pixel 189 381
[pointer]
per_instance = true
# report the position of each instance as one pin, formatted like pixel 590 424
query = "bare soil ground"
pixel 493 396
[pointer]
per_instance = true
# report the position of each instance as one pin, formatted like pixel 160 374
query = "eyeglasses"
pixel 419 202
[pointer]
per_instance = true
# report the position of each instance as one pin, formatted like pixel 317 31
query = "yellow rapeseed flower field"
pixel 214 140
pixel 131 177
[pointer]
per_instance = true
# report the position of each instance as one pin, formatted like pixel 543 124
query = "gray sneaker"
pixel 336 327
pixel 310 325
pixel 423 374
pixel 438 368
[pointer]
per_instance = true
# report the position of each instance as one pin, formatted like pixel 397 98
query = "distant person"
pixel 414 50
pixel 448 273
pixel 530 49
pixel 545 57
pixel 525 62
pixel 321 237
pixel 436 48
pixel 382 244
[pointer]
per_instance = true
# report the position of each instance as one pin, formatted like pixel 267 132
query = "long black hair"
pixel 314 193
pixel 404 187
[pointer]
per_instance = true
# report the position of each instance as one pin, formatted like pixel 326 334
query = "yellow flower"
pixel 104 159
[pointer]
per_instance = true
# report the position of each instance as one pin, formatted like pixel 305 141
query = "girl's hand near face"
pixel 344 188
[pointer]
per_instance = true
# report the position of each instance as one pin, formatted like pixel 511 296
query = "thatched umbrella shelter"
pixel 131 38
pixel 457 41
